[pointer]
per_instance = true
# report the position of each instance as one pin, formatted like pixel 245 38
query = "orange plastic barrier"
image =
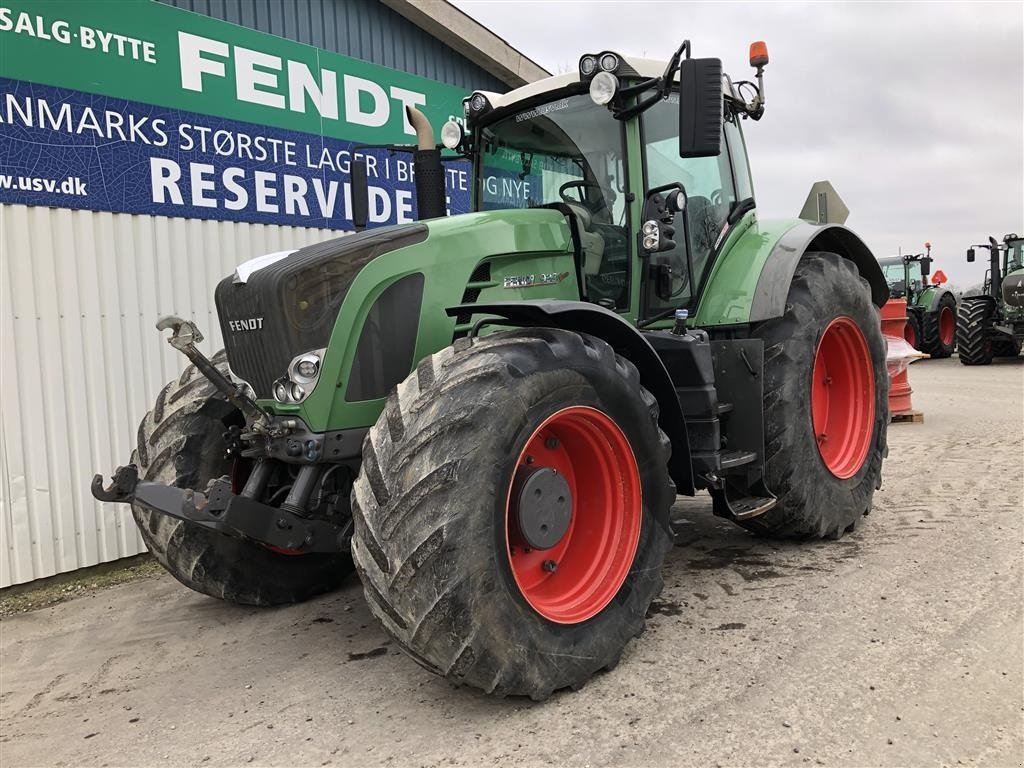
pixel 894 323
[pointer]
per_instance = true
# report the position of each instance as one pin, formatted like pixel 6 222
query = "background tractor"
pixel 931 309
pixel 489 416
pixel 992 324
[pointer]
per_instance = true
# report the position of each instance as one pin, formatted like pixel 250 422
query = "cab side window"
pixel 738 153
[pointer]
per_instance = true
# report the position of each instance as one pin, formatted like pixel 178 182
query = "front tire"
pixel 973 330
pixel 825 402
pixel 439 544
pixel 181 443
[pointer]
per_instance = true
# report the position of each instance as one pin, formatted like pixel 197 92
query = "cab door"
pixel 712 190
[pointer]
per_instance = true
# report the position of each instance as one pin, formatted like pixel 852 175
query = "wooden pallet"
pixel 913 417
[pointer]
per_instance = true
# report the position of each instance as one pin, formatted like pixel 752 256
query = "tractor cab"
pixel 1005 258
pixel 907 275
pixel 647 161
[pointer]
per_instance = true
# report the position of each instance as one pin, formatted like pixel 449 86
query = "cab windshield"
pixel 567 151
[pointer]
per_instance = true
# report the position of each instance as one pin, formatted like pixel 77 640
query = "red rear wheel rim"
pixel 843 397
pixel 594 556
pixel 909 335
pixel 947 326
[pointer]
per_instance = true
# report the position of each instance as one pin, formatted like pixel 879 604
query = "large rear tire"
pixel 973 330
pixel 438 506
pixel 825 402
pixel 181 443
pixel 939 331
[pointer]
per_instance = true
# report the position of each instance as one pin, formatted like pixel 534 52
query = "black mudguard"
pixel 777 274
pixel 626 340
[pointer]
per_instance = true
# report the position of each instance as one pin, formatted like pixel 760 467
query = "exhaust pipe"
pixel 431 199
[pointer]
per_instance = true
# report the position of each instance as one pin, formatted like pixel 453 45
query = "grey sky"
pixel 912 110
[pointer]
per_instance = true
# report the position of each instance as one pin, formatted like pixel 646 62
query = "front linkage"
pixel 219 508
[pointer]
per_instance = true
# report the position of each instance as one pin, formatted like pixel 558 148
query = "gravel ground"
pixel 900 645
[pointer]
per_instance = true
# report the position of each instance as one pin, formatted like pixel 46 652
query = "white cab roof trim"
pixel 643 67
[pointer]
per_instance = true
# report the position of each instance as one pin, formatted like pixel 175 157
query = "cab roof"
pixel 631 67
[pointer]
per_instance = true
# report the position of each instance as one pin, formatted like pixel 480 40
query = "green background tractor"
pixel 489 416
pixel 931 308
pixel 992 324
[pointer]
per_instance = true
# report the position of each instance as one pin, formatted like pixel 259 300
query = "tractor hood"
pixel 278 306
pixel 365 303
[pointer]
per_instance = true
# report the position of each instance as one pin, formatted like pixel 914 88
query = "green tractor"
pixel 489 416
pixel 992 324
pixel 931 309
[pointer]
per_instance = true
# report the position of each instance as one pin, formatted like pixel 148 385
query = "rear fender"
pixel 751 276
pixel 929 299
pixel 777 273
pixel 626 340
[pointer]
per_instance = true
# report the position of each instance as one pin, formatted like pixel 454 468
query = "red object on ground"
pixel 576 578
pixel 894 323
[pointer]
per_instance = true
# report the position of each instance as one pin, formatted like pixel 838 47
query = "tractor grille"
pixel 290 306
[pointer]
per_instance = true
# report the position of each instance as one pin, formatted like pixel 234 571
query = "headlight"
pixel 588 65
pixel 451 134
pixel 650 242
pixel 302 377
pixel 650 228
pixel 603 88
pixel 308 367
pixel 609 62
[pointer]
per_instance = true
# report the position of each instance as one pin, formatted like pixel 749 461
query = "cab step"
pixel 742 504
pixel 750 506
pixel 732 459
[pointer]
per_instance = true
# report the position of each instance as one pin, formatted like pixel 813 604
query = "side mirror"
pixel 926 266
pixel 359 188
pixel 700 107
pixel 970 255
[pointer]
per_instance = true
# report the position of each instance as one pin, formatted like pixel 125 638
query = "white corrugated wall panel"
pixel 81 362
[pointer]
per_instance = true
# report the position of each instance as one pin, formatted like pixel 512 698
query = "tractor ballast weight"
pixel 488 416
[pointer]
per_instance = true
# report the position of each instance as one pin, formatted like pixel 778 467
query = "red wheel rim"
pixel 843 397
pixel 909 335
pixel 947 326
pixel 594 556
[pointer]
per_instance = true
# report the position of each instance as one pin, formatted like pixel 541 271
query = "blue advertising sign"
pixel 69 149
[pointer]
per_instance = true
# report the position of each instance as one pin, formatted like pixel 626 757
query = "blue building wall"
pixel 362 29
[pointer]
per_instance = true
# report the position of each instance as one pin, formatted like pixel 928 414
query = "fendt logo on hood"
pixel 246 324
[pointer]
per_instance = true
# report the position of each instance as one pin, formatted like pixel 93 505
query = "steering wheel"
pixel 580 184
